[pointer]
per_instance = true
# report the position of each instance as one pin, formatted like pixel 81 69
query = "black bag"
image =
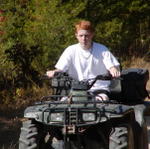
pixel 133 85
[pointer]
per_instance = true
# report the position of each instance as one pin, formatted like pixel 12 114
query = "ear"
pixel 92 34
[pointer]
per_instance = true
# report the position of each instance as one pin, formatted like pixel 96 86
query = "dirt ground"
pixel 9 130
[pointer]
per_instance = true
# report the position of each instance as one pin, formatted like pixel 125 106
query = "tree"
pixel 121 25
pixel 36 32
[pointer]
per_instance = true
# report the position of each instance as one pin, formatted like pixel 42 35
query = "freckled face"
pixel 84 37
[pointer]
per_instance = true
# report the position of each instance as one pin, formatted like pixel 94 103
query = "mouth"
pixel 84 43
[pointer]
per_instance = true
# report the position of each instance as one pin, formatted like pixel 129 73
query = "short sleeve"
pixel 109 60
pixel 64 60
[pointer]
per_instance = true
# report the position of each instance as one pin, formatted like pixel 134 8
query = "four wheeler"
pixel 72 118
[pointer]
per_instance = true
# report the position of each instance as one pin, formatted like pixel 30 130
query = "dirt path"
pixel 9 131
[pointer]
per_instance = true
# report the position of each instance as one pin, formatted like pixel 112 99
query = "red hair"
pixel 84 25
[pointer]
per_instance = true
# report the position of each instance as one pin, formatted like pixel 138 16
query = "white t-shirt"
pixel 86 64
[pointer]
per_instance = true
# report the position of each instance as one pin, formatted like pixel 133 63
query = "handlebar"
pixel 104 77
pixel 64 78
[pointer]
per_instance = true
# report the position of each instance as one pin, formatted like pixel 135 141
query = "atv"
pixel 72 118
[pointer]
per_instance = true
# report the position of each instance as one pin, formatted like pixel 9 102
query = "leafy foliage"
pixel 34 34
pixel 121 25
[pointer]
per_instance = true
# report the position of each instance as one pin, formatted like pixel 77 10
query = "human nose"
pixel 84 37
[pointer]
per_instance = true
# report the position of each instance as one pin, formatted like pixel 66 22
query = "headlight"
pixel 88 116
pixel 34 115
pixel 56 117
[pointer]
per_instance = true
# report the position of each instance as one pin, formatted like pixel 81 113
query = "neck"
pixel 86 47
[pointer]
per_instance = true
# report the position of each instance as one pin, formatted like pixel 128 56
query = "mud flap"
pixel 139 114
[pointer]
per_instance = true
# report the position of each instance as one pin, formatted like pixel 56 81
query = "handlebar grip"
pixel 45 77
pixel 104 77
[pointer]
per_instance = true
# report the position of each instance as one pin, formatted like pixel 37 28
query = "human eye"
pixel 80 35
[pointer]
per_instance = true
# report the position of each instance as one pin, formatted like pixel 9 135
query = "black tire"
pixel 130 136
pixel 142 137
pixel 31 136
pixel 119 138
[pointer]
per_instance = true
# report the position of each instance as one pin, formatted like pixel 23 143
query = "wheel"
pixel 142 137
pixel 130 136
pixel 31 136
pixel 118 138
pixel 146 132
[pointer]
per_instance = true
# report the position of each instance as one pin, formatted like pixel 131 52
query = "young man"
pixel 87 59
